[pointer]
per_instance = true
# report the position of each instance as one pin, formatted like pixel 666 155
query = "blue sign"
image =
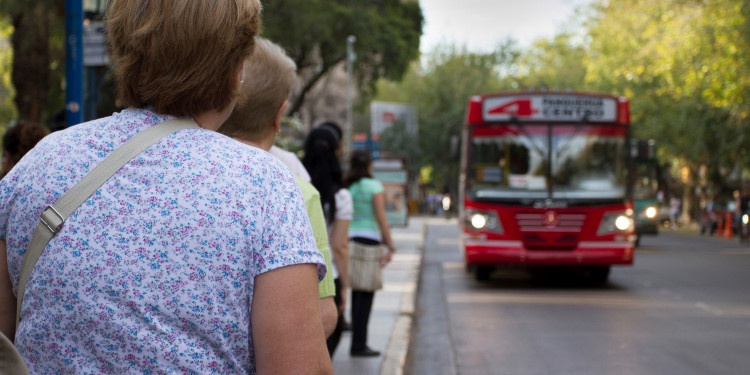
pixel 369 145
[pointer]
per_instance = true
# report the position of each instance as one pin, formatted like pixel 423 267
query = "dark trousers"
pixel 361 307
pixel 333 340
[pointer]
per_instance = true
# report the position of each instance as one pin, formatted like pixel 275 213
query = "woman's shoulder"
pixel 371 184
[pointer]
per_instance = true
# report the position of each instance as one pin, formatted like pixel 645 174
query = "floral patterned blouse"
pixel 154 273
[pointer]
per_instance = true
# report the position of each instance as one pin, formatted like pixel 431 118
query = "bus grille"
pixel 550 230
pixel 540 222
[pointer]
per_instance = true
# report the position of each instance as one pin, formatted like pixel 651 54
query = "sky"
pixel 481 24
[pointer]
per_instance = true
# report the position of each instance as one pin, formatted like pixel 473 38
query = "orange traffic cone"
pixel 728 226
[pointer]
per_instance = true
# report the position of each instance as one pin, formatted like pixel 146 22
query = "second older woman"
pixel 196 256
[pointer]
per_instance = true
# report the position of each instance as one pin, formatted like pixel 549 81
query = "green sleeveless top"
pixel 363 222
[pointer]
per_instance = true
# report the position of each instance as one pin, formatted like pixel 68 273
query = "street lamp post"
pixel 350 57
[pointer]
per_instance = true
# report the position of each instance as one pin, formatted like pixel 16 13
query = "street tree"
pixel 555 63
pixel 681 63
pixel 7 108
pixel 314 33
pixel 38 56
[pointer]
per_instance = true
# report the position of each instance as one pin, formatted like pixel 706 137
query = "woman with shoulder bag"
pixel 371 246
pixel 196 254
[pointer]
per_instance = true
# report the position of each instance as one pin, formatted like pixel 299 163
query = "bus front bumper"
pixel 514 253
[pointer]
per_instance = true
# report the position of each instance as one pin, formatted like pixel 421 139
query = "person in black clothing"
pixel 321 148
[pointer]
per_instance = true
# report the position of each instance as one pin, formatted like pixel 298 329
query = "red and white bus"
pixel 545 182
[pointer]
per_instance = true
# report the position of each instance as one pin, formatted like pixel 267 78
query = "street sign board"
pixel 94 47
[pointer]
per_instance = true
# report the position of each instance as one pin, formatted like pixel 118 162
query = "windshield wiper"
pixel 579 125
pixel 522 131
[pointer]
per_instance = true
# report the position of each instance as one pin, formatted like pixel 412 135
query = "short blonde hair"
pixel 180 57
pixel 269 75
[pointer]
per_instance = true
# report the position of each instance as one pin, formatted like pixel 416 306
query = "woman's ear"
pixel 240 76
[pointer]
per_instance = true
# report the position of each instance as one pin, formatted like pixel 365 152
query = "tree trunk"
pixel 31 70
pixel 689 198
pixel 308 85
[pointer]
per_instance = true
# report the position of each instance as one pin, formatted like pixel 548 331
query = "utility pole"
pixel 350 57
pixel 73 62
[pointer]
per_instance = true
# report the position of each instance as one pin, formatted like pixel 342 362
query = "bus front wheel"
pixel 599 275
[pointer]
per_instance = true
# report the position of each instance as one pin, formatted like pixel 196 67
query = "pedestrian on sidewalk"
pixel 369 227
pixel 321 161
pixel 196 256
pixel 674 211
pixel 256 120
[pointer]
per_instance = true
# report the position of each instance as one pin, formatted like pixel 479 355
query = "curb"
pixel 394 358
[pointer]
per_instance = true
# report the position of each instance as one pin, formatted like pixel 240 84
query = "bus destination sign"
pixel 550 108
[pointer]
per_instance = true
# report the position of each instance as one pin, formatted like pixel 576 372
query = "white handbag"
pixel 365 271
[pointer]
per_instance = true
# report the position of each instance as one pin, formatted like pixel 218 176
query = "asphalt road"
pixel 683 308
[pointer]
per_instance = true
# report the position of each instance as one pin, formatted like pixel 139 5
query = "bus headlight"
pixel 616 222
pixel 623 223
pixel 483 221
pixel 478 221
pixel 651 212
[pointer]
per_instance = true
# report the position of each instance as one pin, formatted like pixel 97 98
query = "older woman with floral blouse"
pixel 197 256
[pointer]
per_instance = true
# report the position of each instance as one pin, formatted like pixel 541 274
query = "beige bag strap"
pixel 10 360
pixel 53 217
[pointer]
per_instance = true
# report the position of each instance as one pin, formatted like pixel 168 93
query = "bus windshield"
pixel 522 162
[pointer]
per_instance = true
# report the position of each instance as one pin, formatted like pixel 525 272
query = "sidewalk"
pixel 392 311
pixel 693 228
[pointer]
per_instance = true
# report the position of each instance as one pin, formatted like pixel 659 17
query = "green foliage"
pixel 683 64
pixel 553 64
pixel 314 33
pixel 7 108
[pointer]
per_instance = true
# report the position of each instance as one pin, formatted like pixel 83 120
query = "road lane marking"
pixel 558 300
pixel 618 302
pixel 736 251
pixel 705 307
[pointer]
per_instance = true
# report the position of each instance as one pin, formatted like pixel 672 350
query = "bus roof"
pixel 548 106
